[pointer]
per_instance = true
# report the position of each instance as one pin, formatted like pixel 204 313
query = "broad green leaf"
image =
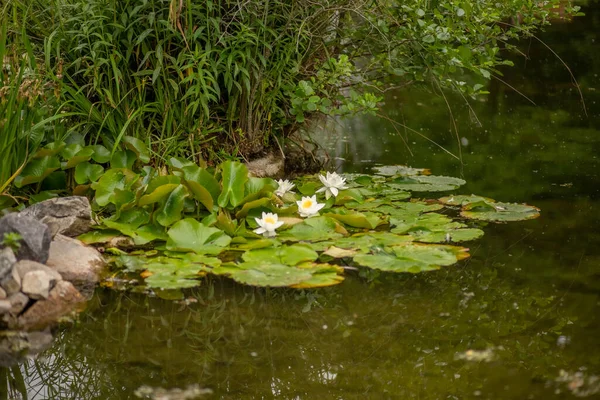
pixel 264 202
pixel 101 154
pixel 402 170
pixel 412 223
pixel 235 175
pixel 179 163
pixel 114 179
pixel 366 241
pixel 99 236
pixel 172 206
pixel 452 235
pixel 426 183
pixel 138 147
pixel 123 159
pixel 190 235
pixel 149 233
pixel 194 173
pixel 87 172
pixel 51 149
pixel 265 274
pixel 288 255
pixel 37 170
pixel 255 185
pixel 161 180
pixel 312 229
pixel 83 155
pixel 365 220
pixel 500 212
pixel 412 258
pixel 158 194
pixel 322 275
pixel 201 194
pixel 463 200
pixel 129 221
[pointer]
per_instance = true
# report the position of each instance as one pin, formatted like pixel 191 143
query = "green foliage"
pixel 12 240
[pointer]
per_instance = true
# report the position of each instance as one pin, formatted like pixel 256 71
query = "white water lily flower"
pixel 285 186
pixel 333 183
pixel 308 206
pixel 267 224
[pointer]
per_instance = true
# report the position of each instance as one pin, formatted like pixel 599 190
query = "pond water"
pixel 520 319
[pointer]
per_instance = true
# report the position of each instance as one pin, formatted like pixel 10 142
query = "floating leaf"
pixel 367 220
pixel 172 206
pixel 138 147
pixel 313 229
pixel 258 273
pixel 87 172
pixel 427 183
pixel 463 200
pixel 190 235
pixel 412 258
pixel 336 252
pixel 424 222
pixel 288 255
pixel 500 212
pixel 265 201
pixel 452 235
pixel 235 175
pixel 403 170
pixel 98 236
pixel 148 233
pixel 129 221
pixel 322 275
pixel 37 170
pixel 365 241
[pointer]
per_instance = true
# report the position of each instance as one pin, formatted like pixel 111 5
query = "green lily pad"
pixel 365 241
pixel 129 221
pixel 157 194
pixel 160 180
pixel 288 255
pixel 194 173
pixel 264 274
pixel 452 235
pixel 427 183
pixel 425 222
pixel 463 200
pixel 312 229
pixel 367 220
pixel 149 233
pixel 402 170
pixel 100 154
pixel 190 235
pixel 499 212
pixel 123 159
pixel 75 155
pixel 49 150
pixel 99 236
pixel 322 275
pixel 412 257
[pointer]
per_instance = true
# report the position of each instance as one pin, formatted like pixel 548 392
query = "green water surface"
pixel 529 294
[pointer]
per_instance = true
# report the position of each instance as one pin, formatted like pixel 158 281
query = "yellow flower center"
pixel 270 220
pixel 307 204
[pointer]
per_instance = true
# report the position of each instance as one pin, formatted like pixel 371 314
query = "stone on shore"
pixel 18 302
pixel 77 263
pixel 3 294
pixel 36 284
pixel 11 283
pixel 25 266
pixel 69 216
pixel 63 299
pixel 35 235
pixel 7 259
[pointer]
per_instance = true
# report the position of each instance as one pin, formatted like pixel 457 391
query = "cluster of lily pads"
pixel 172 226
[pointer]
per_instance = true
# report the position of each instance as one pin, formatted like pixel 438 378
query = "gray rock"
pixel 11 283
pixel 36 284
pixel 3 294
pixel 7 259
pixel 36 236
pixel 70 216
pixel 15 347
pixel 18 302
pixel 62 300
pixel 25 266
pixel 271 166
pixel 4 306
pixel 76 262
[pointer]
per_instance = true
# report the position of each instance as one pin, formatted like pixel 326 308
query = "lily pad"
pixel 412 257
pixel 500 212
pixel 313 229
pixel 452 235
pixel 258 273
pixel 98 236
pixel 110 182
pixel 365 242
pixel 37 170
pixel 235 176
pixel 288 255
pixel 424 222
pixel 367 220
pixel 138 147
pixel 322 275
pixel 402 170
pixel 463 200
pixel 172 206
pixel 427 183
pixel 190 235
pixel 86 172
